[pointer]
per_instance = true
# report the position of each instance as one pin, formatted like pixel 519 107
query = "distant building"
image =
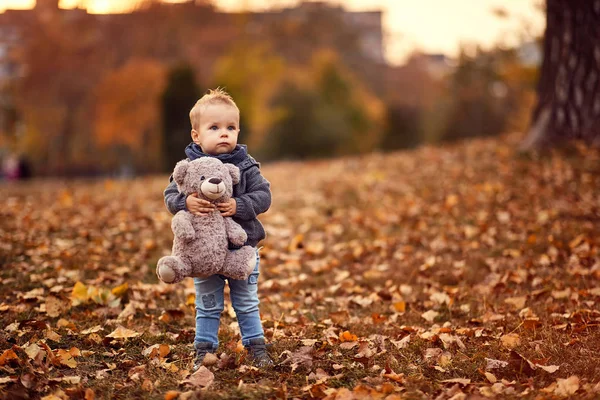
pixel 437 65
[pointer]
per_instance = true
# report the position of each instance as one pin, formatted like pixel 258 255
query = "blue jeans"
pixel 210 305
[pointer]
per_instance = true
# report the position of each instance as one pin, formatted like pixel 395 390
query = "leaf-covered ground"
pixel 451 272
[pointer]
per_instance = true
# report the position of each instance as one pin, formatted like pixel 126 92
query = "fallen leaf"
pixel 157 351
pixel 79 294
pixel 346 336
pixel 54 306
pixel 123 333
pixel 399 307
pixel 32 350
pixel 490 377
pixel 120 290
pixel 201 378
pixel 548 368
pixel 210 359
pixel 402 343
pixel 495 364
pixel 567 387
pixel 395 377
pixel 516 302
pixel 127 312
pixel 430 315
pixel 364 351
pixel 64 357
pixel 147 385
pixel 510 340
pixel 171 395
pixel 7 356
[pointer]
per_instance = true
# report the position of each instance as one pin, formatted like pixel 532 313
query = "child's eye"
pixel 214 128
pixel 231 128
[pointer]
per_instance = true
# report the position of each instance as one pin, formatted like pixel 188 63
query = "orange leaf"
pixel 171 394
pixel 395 377
pixel 378 318
pixel 400 306
pixel 7 356
pixel 346 336
pixel 89 394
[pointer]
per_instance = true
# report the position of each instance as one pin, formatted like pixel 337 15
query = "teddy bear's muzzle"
pixel 213 188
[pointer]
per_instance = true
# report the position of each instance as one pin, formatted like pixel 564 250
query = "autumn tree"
pixel 63 65
pixel 568 105
pixel 251 73
pixel 127 117
pixel 180 95
pixel 326 111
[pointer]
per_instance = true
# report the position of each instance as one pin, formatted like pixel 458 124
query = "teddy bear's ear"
pixel 180 171
pixel 234 172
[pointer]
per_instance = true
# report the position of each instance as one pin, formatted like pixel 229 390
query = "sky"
pixel 433 26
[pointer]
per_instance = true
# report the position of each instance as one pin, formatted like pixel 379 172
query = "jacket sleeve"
pixel 257 198
pixel 174 200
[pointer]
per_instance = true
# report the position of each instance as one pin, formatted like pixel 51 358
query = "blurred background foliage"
pixel 92 95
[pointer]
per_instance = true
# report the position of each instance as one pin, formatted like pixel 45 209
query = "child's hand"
pixel 198 206
pixel 228 209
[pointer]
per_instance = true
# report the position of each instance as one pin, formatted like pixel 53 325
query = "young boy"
pixel 215 122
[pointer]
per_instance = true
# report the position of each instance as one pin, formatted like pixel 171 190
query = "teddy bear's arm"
pixel 236 234
pixel 182 226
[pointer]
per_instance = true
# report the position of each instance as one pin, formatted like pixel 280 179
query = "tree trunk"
pixel 569 87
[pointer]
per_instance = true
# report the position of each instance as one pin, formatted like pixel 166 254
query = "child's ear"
pixel 194 134
pixel 180 171
pixel 234 172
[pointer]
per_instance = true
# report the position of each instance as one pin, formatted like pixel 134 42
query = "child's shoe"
pixel 258 355
pixel 202 349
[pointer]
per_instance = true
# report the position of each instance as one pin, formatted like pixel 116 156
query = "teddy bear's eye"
pixel 202 178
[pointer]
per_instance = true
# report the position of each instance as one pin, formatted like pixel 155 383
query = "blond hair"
pixel 213 96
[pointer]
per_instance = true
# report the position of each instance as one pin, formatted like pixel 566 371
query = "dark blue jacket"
pixel 252 194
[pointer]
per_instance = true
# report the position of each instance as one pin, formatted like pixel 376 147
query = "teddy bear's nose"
pixel 215 181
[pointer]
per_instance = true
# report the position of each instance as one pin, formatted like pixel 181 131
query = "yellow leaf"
pixel 65 358
pixel 79 294
pixel 120 290
pixel 190 299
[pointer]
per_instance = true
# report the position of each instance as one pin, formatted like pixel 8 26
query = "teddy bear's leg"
pixel 240 263
pixel 171 269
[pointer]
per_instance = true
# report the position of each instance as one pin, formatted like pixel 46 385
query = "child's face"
pixel 218 129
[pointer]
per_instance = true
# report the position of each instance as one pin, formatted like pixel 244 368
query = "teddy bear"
pixel 200 243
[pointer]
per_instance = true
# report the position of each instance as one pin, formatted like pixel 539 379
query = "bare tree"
pixel 569 88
